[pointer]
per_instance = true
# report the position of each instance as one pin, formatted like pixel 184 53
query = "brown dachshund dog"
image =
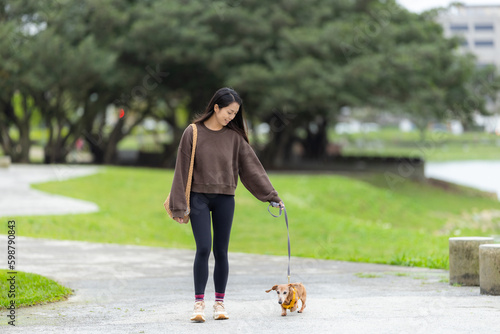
pixel 289 296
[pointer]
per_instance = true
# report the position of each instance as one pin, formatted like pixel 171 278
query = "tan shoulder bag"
pixel 189 180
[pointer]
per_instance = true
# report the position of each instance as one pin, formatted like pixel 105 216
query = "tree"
pixel 427 79
pixel 74 74
pixel 296 64
pixel 17 109
pixel 363 53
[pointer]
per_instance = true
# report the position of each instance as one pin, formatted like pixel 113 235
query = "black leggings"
pixel 222 207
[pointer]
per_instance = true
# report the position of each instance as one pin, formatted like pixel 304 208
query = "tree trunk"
pixel 96 150
pixel 24 142
pixel 169 154
pixel 105 150
pixel 110 151
pixel 316 141
pixel 276 152
pixel 5 140
pixel 47 149
pixel 24 132
pixel 17 150
pixel 53 152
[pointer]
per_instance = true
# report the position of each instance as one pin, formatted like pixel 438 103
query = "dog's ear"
pixel 273 288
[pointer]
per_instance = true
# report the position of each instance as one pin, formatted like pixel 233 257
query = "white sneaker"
pixel 199 312
pixel 220 312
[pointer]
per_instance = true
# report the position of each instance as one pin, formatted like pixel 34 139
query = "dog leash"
pixel 276 205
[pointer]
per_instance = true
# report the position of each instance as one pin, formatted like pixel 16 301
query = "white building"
pixel 480 27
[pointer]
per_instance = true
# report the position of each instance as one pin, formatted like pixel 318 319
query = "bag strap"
pixel 191 165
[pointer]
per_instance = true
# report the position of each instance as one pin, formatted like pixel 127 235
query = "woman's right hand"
pixel 180 220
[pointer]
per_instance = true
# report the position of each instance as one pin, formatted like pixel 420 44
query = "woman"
pixel 222 153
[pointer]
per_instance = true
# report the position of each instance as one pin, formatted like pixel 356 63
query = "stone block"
pixel 464 259
pixel 489 269
pixel 5 161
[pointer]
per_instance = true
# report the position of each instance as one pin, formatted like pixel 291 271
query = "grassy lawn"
pixel 438 146
pixel 30 289
pixel 331 217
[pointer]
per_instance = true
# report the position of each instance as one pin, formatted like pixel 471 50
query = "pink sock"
pixel 219 297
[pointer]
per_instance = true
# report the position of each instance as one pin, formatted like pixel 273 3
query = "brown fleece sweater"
pixel 220 157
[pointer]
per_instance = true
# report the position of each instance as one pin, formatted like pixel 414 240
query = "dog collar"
pixel 292 302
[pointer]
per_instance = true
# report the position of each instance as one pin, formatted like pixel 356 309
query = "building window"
pixel 459 27
pixel 484 27
pixel 484 43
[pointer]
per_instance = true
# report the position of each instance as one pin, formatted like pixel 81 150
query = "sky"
pixel 421 5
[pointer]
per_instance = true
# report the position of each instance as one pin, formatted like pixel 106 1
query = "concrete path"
pixel 18 199
pixel 132 289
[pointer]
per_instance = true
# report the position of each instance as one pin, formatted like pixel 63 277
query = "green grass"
pixel 30 289
pixel 331 217
pixel 145 142
pixel 430 261
pixel 444 280
pixel 400 274
pixel 364 275
pixel 438 146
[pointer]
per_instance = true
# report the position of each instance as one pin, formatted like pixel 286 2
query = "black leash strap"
pixel 276 205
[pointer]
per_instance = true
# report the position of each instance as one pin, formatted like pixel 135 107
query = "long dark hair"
pixel 224 97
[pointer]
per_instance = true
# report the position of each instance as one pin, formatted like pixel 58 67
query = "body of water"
pixel 483 175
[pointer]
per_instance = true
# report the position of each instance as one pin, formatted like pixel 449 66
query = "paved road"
pixel 133 289
pixel 17 198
